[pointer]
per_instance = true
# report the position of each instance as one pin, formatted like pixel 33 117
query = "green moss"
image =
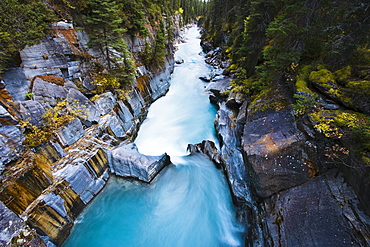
pixel 322 76
pixel 269 98
pixel 343 73
pixel 302 80
pixel 362 87
pixel 341 94
pixel 325 123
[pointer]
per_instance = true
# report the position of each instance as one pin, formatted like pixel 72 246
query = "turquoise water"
pixel 188 203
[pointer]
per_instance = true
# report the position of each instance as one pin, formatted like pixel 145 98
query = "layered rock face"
pixel 277 172
pixel 45 187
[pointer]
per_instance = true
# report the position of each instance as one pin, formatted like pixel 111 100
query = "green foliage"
pixel 52 120
pixel 22 23
pixel 303 103
pixel 322 76
pixel 154 55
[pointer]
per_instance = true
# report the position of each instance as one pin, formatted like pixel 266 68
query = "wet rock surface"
pixel 294 199
pixel 128 162
pixel 50 186
pixel 11 139
pixel 10 224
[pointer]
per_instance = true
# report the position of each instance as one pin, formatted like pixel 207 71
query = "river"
pixel 189 203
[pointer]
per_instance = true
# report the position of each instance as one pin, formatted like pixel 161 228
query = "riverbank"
pixel 45 187
pixel 279 175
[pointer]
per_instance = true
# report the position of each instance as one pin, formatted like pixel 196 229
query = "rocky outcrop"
pixel 208 148
pixel 15 232
pixel 11 146
pixel 128 162
pixel 276 153
pixel 51 184
pixel 70 133
pixel 320 212
pixel 295 199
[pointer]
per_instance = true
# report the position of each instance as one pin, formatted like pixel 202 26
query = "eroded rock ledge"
pixel 279 181
pixel 44 188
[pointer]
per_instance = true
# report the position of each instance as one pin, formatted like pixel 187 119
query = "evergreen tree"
pixel 104 23
pixel 22 23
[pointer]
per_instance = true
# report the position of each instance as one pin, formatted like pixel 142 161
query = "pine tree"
pixel 104 23
pixel 22 23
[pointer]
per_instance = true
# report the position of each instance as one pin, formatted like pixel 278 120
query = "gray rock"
pixel 159 82
pixel 82 181
pixel 56 202
pixel 208 148
pixel 126 117
pixel 105 103
pixel 111 124
pixel 31 111
pixel 206 78
pixel 51 150
pixel 320 212
pixel 330 107
pixel 6 118
pixel 11 139
pixel 232 156
pixel 46 92
pixel 2 84
pixel 216 88
pixel 73 70
pixel 136 102
pixel 128 162
pixel 70 133
pixel 68 85
pixel 86 110
pixel 10 224
pixel 88 84
pixel 275 150
pixel 16 83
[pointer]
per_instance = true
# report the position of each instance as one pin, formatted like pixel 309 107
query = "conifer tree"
pixel 22 23
pixel 104 23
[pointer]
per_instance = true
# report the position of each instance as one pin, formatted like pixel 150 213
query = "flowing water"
pixel 189 203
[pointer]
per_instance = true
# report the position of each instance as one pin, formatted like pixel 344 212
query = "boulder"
pixel 11 139
pixel 111 124
pixel 216 88
pixel 206 78
pixel 321 212
pixel 62 25
pixel 83 107
pixel 70 133
pixel 6 118
pixel 16 83
pixel 31 111
pixel 47 92
pixel 206 46
pixel 179 60
pixel 106 102
pixel 88 84
pixel 276 153
pixel 10 224
pixel 128 162
pixel 208 148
